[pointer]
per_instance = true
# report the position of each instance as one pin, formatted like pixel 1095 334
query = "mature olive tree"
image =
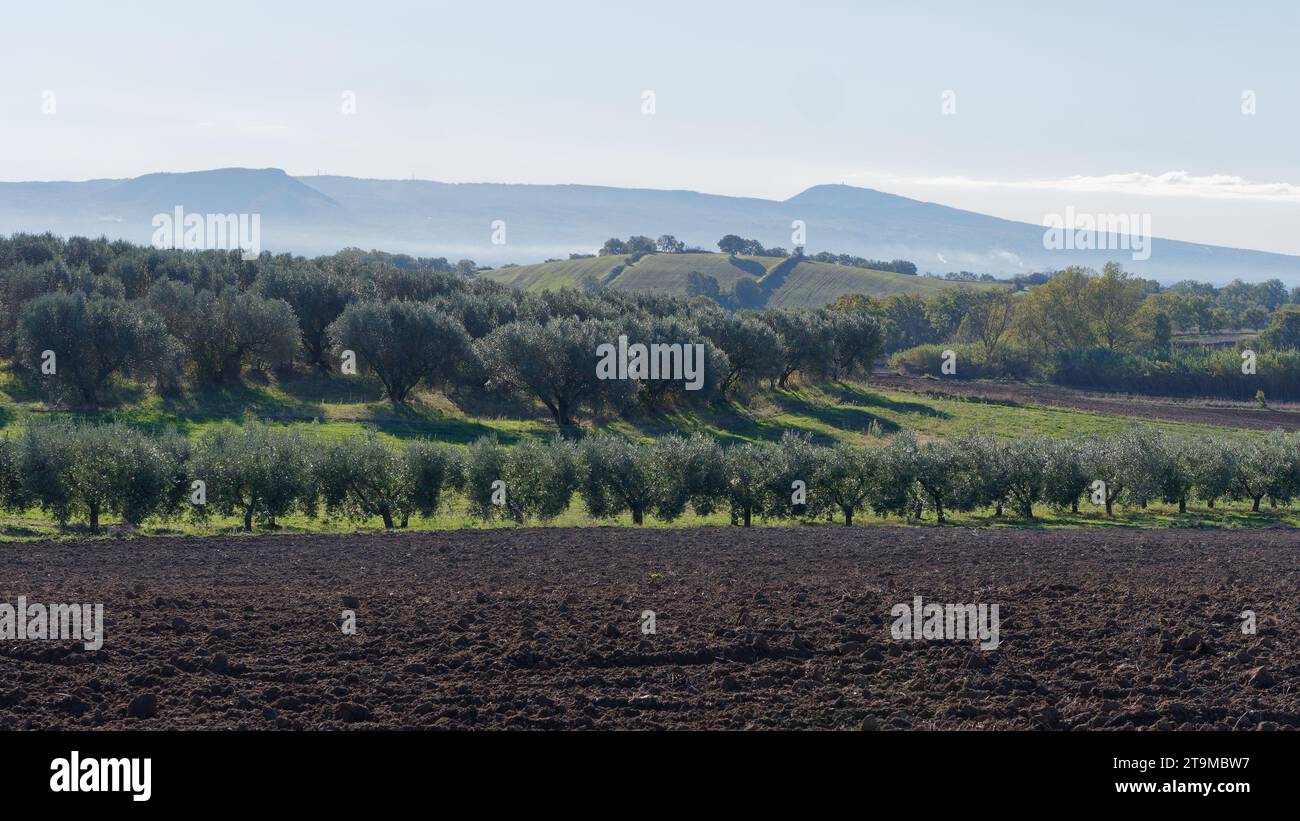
pixel 404 344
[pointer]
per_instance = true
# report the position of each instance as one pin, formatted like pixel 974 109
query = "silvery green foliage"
pixel 745 470
pixel 1004 473
pixel 1212 463
pixel 554 363
pixel 430 469
pixel 1267 467
pixel 754 351
pixel 256 471
pixel 1106 460
pixel 808 342
pixel 230 330
pixel 619 476
pixel 363 477
pixel 93 338
pixel 541 478
pixel 794 458
pixel 404 345
pixel 485 463
pixel 88 471
pixel 316 293
pixel 896 492
pixel 843 480
pixel 942 481
pixel 1065 477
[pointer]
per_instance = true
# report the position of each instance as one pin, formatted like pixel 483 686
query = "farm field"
pixel 768 628
pixel 809 285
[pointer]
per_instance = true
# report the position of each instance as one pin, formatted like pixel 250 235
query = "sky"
pixel 1187 111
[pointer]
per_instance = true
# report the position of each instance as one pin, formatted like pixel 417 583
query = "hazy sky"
pixel 1106 107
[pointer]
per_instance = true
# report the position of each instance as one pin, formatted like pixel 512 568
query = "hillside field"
pixel 808 285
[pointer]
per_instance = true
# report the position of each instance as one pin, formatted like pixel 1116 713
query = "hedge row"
pixel 259 472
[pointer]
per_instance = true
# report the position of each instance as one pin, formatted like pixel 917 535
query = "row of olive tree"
pixel 259 473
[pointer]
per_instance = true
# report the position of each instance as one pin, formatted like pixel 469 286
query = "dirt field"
pixel 1219 412
pixel 767 628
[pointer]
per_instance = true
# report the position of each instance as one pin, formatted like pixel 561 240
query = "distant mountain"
pixel 315 215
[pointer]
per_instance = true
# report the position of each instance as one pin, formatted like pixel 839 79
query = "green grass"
pixel 809 285
pixel 347 406
pixel 35 526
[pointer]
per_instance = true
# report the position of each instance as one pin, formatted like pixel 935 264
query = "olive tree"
pixel 91 470
pixel 91 338
pixel 842 479
pixel 430 469
pixel 256 471
pixel 363 477
pixel 1065 477
pixel 555 363
pixel 403 344
pixel 317 296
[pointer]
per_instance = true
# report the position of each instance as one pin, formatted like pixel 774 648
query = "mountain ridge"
pixel 324 213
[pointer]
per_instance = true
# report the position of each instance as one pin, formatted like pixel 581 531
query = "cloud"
pixel 1169 184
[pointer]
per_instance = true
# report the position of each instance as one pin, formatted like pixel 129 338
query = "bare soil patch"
pixel 763 628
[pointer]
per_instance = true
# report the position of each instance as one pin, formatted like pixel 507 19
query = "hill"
pixel 807 284
pixel 322 214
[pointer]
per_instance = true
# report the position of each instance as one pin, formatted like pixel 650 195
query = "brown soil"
pixel 1221 413
pixel 761 628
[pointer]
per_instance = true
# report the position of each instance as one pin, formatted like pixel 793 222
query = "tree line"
pixel 1103 329
pixel 259 473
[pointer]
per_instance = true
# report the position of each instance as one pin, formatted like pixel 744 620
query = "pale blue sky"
pixel 751 98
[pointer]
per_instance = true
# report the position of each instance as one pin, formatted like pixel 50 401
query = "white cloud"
pixel 1169 184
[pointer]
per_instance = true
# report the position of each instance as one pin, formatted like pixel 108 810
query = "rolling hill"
pixel 807 284
pixel 323 214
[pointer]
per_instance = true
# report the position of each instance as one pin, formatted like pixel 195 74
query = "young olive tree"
pixel 256 471
pixel 1065 476
pixel 842 479
pixel 360 478
pixel 93 470
pixel 430 469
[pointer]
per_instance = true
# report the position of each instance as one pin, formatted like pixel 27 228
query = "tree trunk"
pixel 848 517
pixel 1182 505
pixel 1110 507
pixel 748 513
pixel 94 517
pixel 387 517
pixel 1254 507
pixel 638 516
pixel 1074 506
pixel 248 520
